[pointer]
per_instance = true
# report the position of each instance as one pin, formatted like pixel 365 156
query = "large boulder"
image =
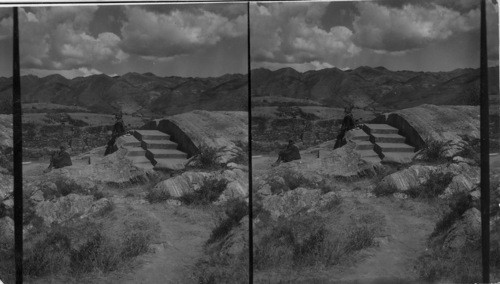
pixel 187 182
pixel 343 163
pixel 182 184
pixel 83 178
pixel 222 130
pixel 465 177
pixel 431 123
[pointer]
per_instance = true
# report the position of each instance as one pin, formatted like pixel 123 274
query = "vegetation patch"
pixel 459 203
pixel 88 246
pixel 451 266
pixel 433 187
pixel 384 190
pixel 208 157
pixel 305 241
pixel 236 209
pixel 157 196
pixel 434 151
pixel 209 192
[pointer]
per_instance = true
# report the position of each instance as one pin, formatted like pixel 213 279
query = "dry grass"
pixel 82 247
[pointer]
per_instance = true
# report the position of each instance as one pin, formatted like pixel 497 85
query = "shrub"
pixel 208 157
pixel 306 241
pixel 433 151
pixel 470 149
pixel 242 157
pixel 293 181
pixel 157 196
pixel 433 187
pixel 208 192
pixel 384 190
pixel 451 266
pixel 236 209
pixel 460 202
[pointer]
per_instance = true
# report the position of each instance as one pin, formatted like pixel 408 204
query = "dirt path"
pixel 402 242
pixel 180 246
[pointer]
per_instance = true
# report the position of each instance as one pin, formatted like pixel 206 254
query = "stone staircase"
pixel 150 149
pixel 377 142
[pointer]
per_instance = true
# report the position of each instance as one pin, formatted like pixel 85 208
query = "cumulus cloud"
pixel 5 25
pixel 292 33
pixel 59 38
pixel 147 33
pixel 386 28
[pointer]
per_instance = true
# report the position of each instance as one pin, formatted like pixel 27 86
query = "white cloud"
pixel 148 33
pixel 385 28
pixel 59 38
pixel 5 27
pixel 292 33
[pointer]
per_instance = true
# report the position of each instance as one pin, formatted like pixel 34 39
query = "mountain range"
pixel 134 93
pixel 377 88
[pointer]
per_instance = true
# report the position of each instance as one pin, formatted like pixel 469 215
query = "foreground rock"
pixel 343 164
pixel 188 182
pixel 465 178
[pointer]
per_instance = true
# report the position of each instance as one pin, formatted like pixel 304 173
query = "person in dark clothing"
pixel 118 130
pixel 59 159
pixel 290 153
pixel 347 124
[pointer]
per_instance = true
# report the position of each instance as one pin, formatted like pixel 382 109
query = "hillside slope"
pixel 378 87
pixel 134 93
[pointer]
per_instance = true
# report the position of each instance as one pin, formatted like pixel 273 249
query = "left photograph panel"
pixel 7 265
pixel 135 143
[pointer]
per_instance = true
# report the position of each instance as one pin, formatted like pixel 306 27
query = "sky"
pixel 418 35
pixel 191 40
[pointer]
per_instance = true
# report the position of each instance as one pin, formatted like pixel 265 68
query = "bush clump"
pixel 433 187
pixel 305 241
pixel 434 151
pixel 156 196
pixel 209 192
pixel 208 157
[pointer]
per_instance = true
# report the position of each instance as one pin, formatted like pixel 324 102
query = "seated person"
pixel 118 130
pixel 59 159
pixel 290 153
pixel 347 124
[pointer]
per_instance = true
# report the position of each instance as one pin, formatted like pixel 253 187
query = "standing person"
pixel 290 153
pixel 118 130
pixel 59 159
pixel 347 124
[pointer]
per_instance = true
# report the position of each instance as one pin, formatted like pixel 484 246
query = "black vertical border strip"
pixel 17 136
pixel 250 191
pixel 485 149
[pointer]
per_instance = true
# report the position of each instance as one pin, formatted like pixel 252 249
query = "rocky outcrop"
pixel 465 178
pixel 428 123
pixel 114 170
pixel 68 207
pixel 222 130
pixel 187 182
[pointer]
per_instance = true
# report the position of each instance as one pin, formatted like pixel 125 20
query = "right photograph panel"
pixel 366 140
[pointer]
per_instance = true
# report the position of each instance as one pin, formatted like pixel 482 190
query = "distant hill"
pixel 377 87
pixel 134 93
